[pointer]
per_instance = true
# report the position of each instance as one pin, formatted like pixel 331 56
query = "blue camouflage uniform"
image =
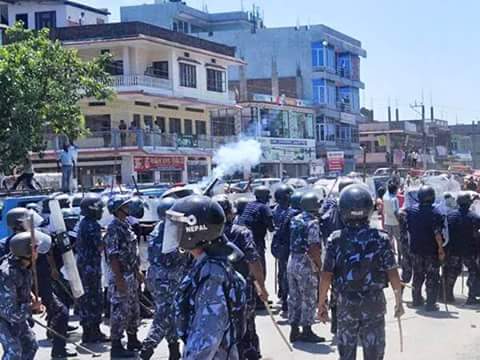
pixel 249 346
pixel 164 276
pixel 462 249
pixel 207 307
pixel 17 339
pixel 120 241
pixel 359 260
pixel 281 246
pixel 424 222
pixel 89 258
pixel 302 274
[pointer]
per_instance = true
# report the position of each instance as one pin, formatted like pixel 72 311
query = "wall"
pixel 90 17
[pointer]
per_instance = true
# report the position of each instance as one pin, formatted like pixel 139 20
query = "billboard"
pixel 335 160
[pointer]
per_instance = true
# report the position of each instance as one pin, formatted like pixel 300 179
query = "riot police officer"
pixel 17 220
pixel 462 248
pixel 240 205
pixel 164 275
pixel 89 248
pixel 210 303
pixel 122 258
pixel 425 226
pixel 359 261
pixel 251 269
pixel 303 269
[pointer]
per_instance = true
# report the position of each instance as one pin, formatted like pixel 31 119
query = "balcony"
pixel 128 82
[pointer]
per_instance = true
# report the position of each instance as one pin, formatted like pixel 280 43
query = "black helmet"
pixel 136 207
pixel 178 192
pixel 164 205
pixel 283 193
pixel 426 195
pixel 193 221
pixel 21 245
pixel 355 205
pixel 241 204
pixel 116 202
pixel 224 202
pixel 77 199
pixel 464 199
pixel 63 200
pixel 91 206
pixel 342 184
pixel 310 202
pixel 295 200
pixel 262 193
pixel 17 218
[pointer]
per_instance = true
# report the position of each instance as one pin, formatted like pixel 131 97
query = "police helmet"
pixel 91 206
pixel 224 202
pixel 355 205
pixel 116 202
pixel 17 217
pixel 63 200
pixel 310 202
pixel 21 245
pixel 71 218
pixel 241 204
pixel 295 200
pixel 136 207
pixel 35 207
pixel 342 184
pixel 77 199
pixel 193 221
pixel 164 205
pixel 464 199
pixel 426 195
pixel 178 192
pixel 283 193
pixel 262 193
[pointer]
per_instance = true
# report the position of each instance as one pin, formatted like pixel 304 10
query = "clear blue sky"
pixel 413 46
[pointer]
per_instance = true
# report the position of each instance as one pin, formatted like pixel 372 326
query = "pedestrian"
pixel 303 270
pixel 164 276
pixel 259 219
pixel 425 225
pixel 66 160
pixel 391 208
pixel 16 336
pixel 379 205
pixel 359 262
pixel 27 175
pixel 121 255
pixel 89 247
pixel 250 267
pixel 462 248
pixel 282 215
pixel 210 303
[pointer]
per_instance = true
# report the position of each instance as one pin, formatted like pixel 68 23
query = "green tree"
pixel 41 84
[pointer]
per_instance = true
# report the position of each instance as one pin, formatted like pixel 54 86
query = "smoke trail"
pixel 238 156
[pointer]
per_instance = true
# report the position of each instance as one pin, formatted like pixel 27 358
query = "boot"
pixel 472 300
pixel 63 354
pixel 418 302
pixel 309 336
pixel 133 343
pixel 430 307
pixel 87 335
pixel 146 353
pixel 294 333
pixel 174 351
pixel 118 351
pixel 97 336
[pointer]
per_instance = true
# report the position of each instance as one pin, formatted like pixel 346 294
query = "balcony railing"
pixel 141 80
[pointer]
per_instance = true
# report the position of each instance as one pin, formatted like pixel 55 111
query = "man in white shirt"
pixel 66 160
pixel 391 207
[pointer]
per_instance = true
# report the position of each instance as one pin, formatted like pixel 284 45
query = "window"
pixel 200 127
pixel 188 126
pixel 188 75
pixel 215 80
pixel 115 67
pixel 148 121
pixel 160 122
pixel 45 19
pixel 319 91
pixel 159 69
pixel 175 126
pixel 301 125
pixel 348 99
pixel 23 18
pixel 323 56
pixel 344 65
pixel 135 124
pixel 223 122
pixel 274 123
pixel 326 128
pixel 181 26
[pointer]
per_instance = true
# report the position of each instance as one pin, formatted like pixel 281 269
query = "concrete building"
pixel 466 140
pixel 158 126
pixel 316 63
pixel 52 13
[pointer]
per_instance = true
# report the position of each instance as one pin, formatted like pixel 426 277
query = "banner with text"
pixel 335 160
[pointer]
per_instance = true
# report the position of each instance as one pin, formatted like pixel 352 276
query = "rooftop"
pixel 71 3
pixel 127 30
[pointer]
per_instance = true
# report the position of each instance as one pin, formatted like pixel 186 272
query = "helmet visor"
pixel 175 223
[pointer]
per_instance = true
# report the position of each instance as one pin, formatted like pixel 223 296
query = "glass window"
pixel 45 19
pixel 326 129
pixel 188 126
pixel 200 127
pixel 115 67
pixel 23 18
pixel 159 69
pixel 223 123
pixel 250 123
pixel 330 58
pixel 344 65
pixel 215 80
pixel 175 126
pixel 301 125
pixel 348 99
pixel 160 123
pixel 317 54
pixel 188 75
pixel 274 123
pixel 319 91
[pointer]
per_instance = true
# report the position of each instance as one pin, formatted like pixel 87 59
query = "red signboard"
pixel 147 163
pixel 335 160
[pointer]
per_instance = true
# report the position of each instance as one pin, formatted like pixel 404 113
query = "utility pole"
pixel 414 107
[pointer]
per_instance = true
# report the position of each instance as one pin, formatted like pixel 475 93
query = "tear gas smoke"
pixel 239 156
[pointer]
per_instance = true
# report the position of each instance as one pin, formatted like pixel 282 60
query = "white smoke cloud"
pixel 237 156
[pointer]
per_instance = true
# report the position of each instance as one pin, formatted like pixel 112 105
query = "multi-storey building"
pixel 157 127
pixel 466 141
pixel 315 63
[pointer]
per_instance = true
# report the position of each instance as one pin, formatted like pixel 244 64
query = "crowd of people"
pixel 207 269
